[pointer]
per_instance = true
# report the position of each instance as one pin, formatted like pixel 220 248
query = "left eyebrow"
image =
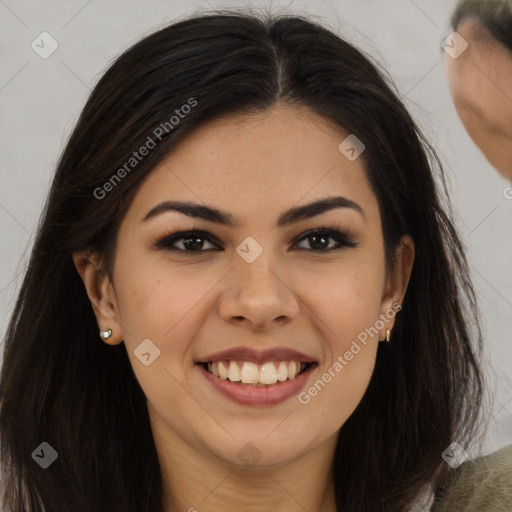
pixel 224 218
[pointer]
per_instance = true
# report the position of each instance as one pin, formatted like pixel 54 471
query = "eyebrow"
pixel 224 218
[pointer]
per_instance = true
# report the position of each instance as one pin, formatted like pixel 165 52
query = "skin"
pixel 481 87
pixel 193 305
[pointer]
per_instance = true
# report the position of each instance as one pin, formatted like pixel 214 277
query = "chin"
pixel 259 451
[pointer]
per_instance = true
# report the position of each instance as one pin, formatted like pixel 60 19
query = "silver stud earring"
pixel 106 334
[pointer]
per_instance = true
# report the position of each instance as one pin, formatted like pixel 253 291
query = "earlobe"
pixel 101 295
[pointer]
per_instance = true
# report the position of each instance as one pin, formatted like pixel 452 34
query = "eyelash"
pixel 167 242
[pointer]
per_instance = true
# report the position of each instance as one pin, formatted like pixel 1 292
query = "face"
pixel 481 86
pixel 272 288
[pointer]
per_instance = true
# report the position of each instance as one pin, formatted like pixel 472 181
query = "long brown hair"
pixel 60 384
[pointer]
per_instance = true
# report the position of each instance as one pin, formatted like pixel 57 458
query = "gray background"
pixel 40 100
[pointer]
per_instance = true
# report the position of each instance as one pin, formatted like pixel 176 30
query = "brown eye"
pixel 319 240
pixel 192 241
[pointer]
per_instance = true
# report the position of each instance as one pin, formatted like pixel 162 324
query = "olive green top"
pixel 480 485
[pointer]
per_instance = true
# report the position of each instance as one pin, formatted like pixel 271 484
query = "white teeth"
pixel 292 370
pixel 233 372
pixel 282 372
pixel 268 373
pixel 223 371
pixel 248 372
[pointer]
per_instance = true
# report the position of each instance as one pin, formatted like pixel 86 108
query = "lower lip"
pixel 247 394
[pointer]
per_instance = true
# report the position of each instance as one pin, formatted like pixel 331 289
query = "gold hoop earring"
pixel 388 335
pixel 105 335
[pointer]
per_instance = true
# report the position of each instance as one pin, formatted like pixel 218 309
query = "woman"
pixel 246 291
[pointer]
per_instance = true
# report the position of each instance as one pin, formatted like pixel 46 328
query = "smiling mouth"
pixel 266 374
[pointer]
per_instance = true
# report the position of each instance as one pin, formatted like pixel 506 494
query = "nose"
pixel 258 295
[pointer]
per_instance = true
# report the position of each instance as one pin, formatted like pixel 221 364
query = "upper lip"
pixel 258 356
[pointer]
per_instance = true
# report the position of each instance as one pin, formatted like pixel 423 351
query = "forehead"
pixel 248 164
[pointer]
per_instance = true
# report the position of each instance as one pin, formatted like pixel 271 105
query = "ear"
pixel 101 294
pixel 396 283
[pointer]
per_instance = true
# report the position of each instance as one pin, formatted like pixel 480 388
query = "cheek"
pixel 348 309
pixel 161 303
pixel 347 294
pixel 350 314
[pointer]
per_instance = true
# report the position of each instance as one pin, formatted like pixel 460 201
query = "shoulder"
pixel 484 483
